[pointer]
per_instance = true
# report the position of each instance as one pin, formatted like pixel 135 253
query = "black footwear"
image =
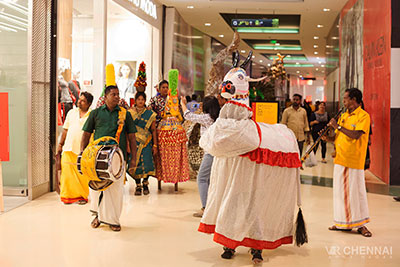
pixel 228 253
pixel 396 198
pixel 138 191
pixel 146 188
pixel 257 255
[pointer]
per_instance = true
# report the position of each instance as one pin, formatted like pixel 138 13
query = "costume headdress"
pixel 141 78
pixel 110 75
pixel 235 85
pixel 172 106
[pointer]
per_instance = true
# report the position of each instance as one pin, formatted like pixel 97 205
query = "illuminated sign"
pixel 255 23
pixel 147 6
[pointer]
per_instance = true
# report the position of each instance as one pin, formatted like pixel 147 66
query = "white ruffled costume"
pixel 254 179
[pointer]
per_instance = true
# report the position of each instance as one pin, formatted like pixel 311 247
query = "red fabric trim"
pixel 252 243
pixel 206 228
pixel 268 157
pixel 258 131
pixel 72 200
pixel 239 104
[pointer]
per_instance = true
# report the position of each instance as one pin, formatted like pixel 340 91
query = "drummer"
pixel 107 205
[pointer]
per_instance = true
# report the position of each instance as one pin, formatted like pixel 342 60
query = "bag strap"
pixel 121 122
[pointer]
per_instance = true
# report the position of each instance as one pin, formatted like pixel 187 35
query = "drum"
pixel 103 162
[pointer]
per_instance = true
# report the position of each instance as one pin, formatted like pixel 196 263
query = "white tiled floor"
pixel 159 230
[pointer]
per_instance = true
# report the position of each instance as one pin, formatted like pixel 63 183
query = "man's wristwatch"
pixel 339 127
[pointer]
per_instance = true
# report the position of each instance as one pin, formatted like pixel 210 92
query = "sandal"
pixel 228 253
pixel 364 231
pixel 257 255
pixel 146 190
pixel 138 191
pixel 95 223
pixel 115 228
pixel 82 202
pixel 334 228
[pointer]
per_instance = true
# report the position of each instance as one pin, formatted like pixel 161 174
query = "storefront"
pixel 93 33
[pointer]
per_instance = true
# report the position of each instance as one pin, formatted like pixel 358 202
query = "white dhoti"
pixel 350 206
pixel 107 204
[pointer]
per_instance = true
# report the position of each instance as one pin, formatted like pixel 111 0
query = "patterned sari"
pixel 144 142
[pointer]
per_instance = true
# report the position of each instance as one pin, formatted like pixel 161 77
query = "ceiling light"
pixel 315 46
pixel 301 76
pixel 315 53
pixel 253 56
pixel 320 26
pixel 316 69
pixel 326 9
pixel 323 71
pixel 288 56
pixel 281 47
pixel 297 63
pixel 207 24
pixel 260 61
pixel 319 62
pixel 267 30
pixel 243 51
pixel 190 7
pixel 316 37
pixel 329 46
pixel 335 38
pixel 277 44
pixel 317 57
pixel 269 65
pixel 221 35
pixel 298 71
pixel 322 66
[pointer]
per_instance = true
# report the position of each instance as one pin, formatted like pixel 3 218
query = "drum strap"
pixel 121 122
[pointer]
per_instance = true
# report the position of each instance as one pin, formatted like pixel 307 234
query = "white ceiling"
pixel 311 11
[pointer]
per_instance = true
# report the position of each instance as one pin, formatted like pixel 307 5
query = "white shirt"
pixel 74 124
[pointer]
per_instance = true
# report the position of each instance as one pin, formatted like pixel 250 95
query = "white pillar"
pixel 99 46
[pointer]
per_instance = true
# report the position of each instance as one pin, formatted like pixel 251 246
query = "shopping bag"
pixel 311 160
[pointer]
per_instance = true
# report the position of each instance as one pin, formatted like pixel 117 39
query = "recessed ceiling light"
pixel 317 57
pixel 297 63
pixel 260 61
pixel 315 46
pixel 298 71
pixel 316 69
pixel 253 56
pixel 316 37
pixel 243 51
pixel 323 71
pixel 221 35
pixel 277 44
pixel 326 9
pixel 335 38
pixel 319 62
pixel 320 26
pixel 329 46
pixel 269 65
pixel 190 7
pixel 301 76
pixel 288 56
pixel 322 66
pixel 315 53
pixel 207 24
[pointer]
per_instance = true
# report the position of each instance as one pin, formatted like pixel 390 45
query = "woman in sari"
pixel 146 141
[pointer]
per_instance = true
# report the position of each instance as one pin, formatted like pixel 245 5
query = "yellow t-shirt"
pixel 351 152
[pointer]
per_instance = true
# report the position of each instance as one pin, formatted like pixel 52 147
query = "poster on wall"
pixel 265 111
pixel 365 32
pixel 125 76
pixel 351 53
pixel 4 129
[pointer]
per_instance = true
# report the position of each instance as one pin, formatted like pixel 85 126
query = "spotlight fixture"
pixel 190 7
pixel 221 35
pixel 243 51
pixel 326 9
pixel 316 37
pixel 207 24
pixel 315 46
pixel 315 53
pixel 320 26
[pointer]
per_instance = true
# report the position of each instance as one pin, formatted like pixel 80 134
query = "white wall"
pixel 316 90
pixel 332 81
pixel 395 78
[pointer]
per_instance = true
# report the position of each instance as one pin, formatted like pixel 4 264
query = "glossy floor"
pixel 159 230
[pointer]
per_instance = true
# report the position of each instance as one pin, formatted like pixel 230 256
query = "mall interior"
pixel 313 48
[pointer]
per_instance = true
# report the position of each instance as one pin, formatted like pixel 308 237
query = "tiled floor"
pixel 159 230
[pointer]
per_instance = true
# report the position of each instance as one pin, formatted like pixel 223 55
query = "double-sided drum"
pixel 103 162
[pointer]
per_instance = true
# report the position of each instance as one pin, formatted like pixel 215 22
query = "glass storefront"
pixel 13 80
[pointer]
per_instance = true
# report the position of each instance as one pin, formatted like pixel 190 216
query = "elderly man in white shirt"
pixel 73 185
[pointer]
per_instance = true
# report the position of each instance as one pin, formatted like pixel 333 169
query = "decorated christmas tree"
pixel 140 82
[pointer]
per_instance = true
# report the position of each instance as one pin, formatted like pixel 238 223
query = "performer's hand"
pixel 333 124
pixel 314 122
pixel 59 149
pixel 154 150
pixel 183 100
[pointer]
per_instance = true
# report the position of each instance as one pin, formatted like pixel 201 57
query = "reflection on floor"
pixel 322 175
pixel 11 202
pixel 159 230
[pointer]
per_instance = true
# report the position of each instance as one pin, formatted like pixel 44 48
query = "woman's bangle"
pixel 155 145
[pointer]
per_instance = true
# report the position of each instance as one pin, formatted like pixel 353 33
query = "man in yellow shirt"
pixel 351 140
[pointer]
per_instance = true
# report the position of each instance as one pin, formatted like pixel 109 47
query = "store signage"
pixel 240 23
pixel 4 129
pixel 147 6
pixel 266 111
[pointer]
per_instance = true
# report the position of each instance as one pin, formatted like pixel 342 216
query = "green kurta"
pixel 105 123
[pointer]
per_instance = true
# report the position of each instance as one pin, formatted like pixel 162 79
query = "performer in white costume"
pixel 255 175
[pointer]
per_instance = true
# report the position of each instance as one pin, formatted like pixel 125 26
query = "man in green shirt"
pixel 104 121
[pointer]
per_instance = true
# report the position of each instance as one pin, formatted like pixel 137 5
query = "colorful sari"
pixel 144 142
